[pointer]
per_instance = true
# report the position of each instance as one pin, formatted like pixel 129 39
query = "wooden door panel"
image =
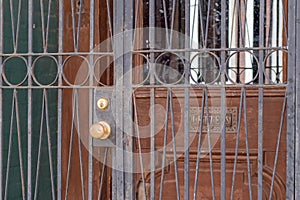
pixel 75 152
pixel 273 104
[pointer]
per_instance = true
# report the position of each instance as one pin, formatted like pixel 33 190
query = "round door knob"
pixel 100 130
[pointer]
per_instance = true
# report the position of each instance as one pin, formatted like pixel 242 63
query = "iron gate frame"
pixel 293 104
pixel 293 117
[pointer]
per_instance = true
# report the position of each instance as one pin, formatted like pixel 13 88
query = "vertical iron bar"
pixel 223 143
pixel 59 98
pixel 77 123
pixel 113 152
pixel 201 18
pixel 187 104
pixel 113 174
pixel 212 177
pixel 71 143
pixel 39 150
pixel 278 146
pixel 19 142
pixel 118 75
pixel 192 11
pixel 48 25
pixel 73 25
pixel 140 147
pixel 237 144
pixel 165 11
pixel 164 149
pixel 207 22
pixel 247 145
pixel 18 26
pixel 128 114
pixel 109 21
pixel 43 25
pixel 1 99
pixel 172 24
pixel 199 144
pixel 174 145
pixel 152 97
pixel 15 35
pixel 290 140
pixel 102 174
pixel 223 101
pixel 76 31
pixel 79 23
pixel 260 99
pixel 49 146
pixel 15 95
pixel 46 114
pixel 9 148
pixel 137 15
pixel 29 114
pixel 152 136
pixel 91 98
pixel 297 94
pixel 260 141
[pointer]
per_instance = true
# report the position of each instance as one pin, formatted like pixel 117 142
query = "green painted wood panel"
pixel 15 71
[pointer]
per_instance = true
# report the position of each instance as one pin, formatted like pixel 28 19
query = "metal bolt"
pixel 102 103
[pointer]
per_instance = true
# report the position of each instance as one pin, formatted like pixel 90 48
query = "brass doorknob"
pixel 100 130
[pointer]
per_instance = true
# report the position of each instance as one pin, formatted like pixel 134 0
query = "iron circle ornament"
pixel 84 70
pixel 236 73
pixel 21 62
pixel 277 73
pixel 99 68
pixel 169 68
pixel 35 66
pixel 202 61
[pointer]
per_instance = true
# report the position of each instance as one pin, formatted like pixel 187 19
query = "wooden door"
pixel 251 163
pixel 75 135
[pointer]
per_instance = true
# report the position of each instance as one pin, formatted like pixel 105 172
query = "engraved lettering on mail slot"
pixel 214 119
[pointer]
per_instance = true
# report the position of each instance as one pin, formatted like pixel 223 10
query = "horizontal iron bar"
pixel 210 49
pixel 56 54
pixel 142 51
pixel 147 86
pixel 211 86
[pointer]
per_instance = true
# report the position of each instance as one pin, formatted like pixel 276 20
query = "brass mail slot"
pixel 214 119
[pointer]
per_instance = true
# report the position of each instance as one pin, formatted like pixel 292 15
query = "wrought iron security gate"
pixel 149 99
